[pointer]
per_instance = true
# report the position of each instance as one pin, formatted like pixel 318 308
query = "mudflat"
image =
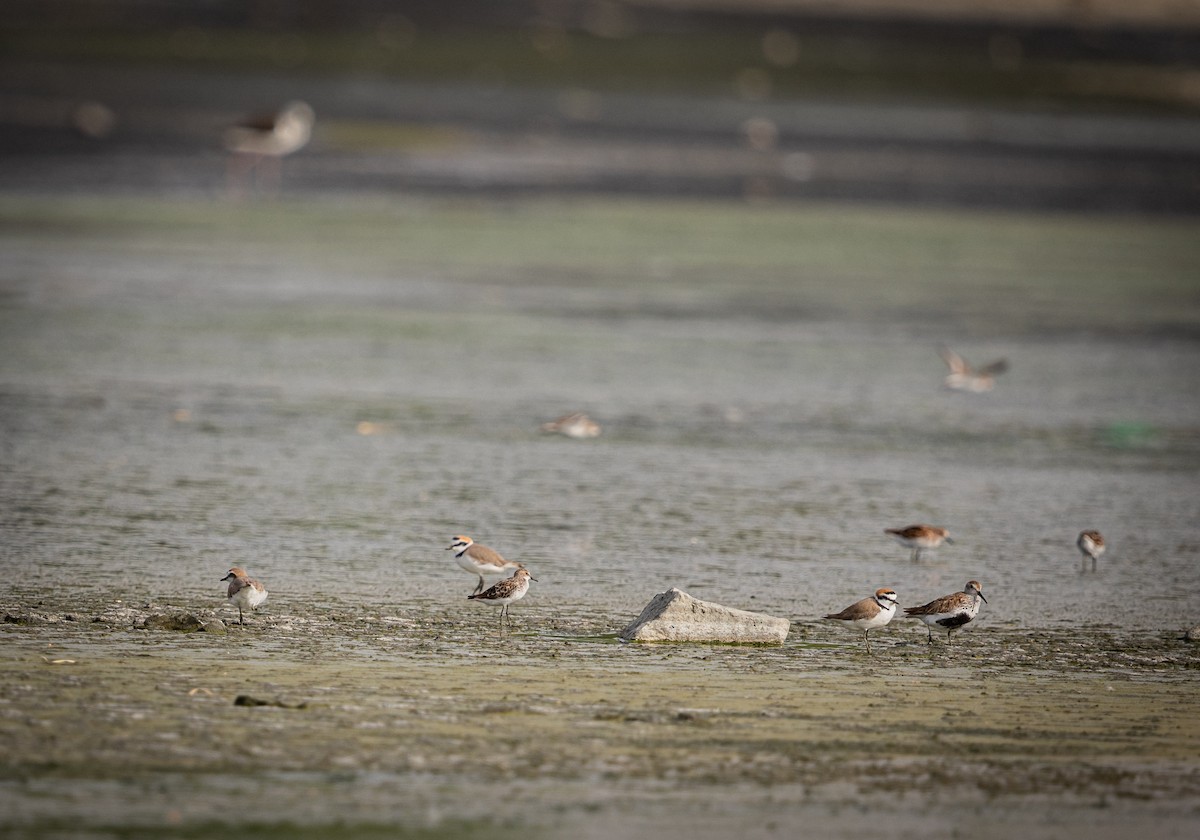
pixel 326 391
pixel 434 721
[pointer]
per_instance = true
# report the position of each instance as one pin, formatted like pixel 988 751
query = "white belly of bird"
pixel 248 597
pixel 880 619
pixel 477 568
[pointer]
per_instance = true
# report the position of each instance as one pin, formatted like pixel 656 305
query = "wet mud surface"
pixel 404 713
pixel 326 391
pixel 429 716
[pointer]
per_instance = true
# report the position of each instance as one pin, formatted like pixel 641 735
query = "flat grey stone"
pixel 675 616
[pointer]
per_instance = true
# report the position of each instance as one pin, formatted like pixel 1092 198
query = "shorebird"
pixel 950 611
pixel 577 425
pixel 479 559
pixel 268 137
pixel 244 591
pixel 869 613
pixel 963 377
pixel 1091 544
pixel 920 537
pixel 506 592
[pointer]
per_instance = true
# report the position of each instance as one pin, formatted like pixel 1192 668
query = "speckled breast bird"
pixel 950 611
pixel 506 592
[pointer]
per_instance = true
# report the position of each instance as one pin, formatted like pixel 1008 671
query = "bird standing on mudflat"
pixel 506 592
pixel 920 537
pixel 950 611
pixel 244 591
pixel 869 613
pixel 479 559
pixel 1091 544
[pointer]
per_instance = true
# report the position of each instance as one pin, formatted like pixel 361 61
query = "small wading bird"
pixel 244 591
pixel 577 425
pixel 258 143
pixel 963 377
pixel 950 611
pixel 920 537
pixel 1091 544
pixel 479 559
pixel 506 592
pixel 868 613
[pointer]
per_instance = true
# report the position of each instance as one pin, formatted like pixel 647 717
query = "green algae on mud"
pixel 408 719
pixel 660 256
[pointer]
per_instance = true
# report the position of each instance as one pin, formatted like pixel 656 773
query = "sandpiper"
pixel 869 613
pixel 577 425
pixel 268 137
pixel 244 591
pixel 506 591
pixel 963 377
pixel 920 537
pixel 479 559
pixel 1091 543
pixel 950 611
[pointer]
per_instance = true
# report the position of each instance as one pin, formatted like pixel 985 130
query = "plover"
pixel 244 591
pixel 869 613
pixel 1091 543
pixel 577 425
pixel 920 537
pixel 963 377
pixel 506 591
pixel 950 611
pixel 268 137
pixel 479 559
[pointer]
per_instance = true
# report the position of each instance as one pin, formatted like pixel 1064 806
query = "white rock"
pixel 675 616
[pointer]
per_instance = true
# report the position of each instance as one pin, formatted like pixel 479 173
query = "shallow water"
pixel 181 399
pixel 326 392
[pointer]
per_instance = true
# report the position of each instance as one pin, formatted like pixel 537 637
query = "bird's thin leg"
pixel 867 639
pixel 930 629
pixel 479 586
pixel 241 620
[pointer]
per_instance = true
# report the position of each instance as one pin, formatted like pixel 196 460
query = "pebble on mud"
pixel 1192 635
pixel 247 700
pixel 214 625
pixel 675 616
pixel 179 622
